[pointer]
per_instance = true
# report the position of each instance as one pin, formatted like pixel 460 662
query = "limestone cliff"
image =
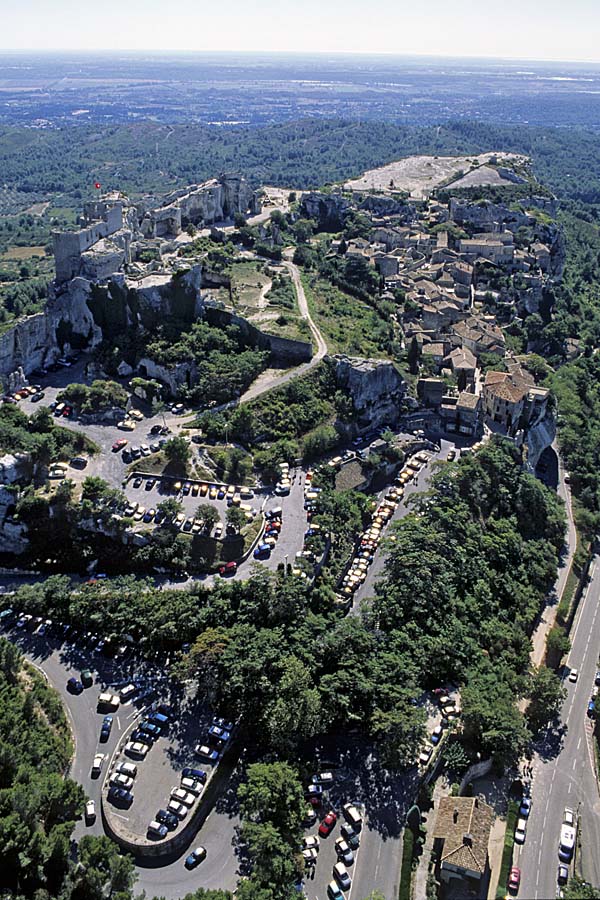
pixel 375 386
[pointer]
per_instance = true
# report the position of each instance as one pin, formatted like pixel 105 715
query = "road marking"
pixel 579 742
pixel 574 763
pixel 120 816
pixel 119 722
pixel 569 791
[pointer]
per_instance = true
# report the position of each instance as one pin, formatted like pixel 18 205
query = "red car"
pixel 327 824
pixel 118 445
pixel 229 568
pixel 514 879
pixel 67 412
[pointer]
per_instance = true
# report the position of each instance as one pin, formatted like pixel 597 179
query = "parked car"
pixel 573 675
pixel 562 875
pixel 520 831
pixel 216 733
pixel 334 892
pixel 121 780
pixel 178 809
pixel 190 772
pixel 327 824
pixel 342 876
pixel 126 768
pixel 74 685
pixel 157 829
pixel 86 678
pixel 106 699
pixel 205 752
pixel 514 879
pixel 191 784
pixel 168 819
pixel 182 796
pixel 311 841
pixel 344 851
pixel 136 748
pixel 90 812
pixel 525 808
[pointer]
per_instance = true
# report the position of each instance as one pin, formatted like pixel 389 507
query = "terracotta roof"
pixel 462 358
pixel 464 825
pixel 507 386
pixel 467 400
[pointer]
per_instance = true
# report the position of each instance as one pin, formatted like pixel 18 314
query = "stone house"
pixel 512 401
pixel 461 359
pixel 462 414
pixel 461 837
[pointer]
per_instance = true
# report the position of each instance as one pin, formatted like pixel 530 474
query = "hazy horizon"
pixel 518 30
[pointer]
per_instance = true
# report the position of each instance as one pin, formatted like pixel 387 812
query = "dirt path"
pixel 269 380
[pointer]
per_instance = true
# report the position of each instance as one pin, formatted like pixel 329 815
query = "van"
pixel 353 816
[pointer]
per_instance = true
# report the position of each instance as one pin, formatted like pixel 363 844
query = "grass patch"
pixel 408 853
pixel 349 325
pixel 509 845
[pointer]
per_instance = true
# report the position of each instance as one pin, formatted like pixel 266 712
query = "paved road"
pixel 375 571
pixel 218 833
pixel 385 798
pixel 564 767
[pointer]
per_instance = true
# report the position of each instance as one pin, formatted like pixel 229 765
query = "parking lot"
pixel 60 659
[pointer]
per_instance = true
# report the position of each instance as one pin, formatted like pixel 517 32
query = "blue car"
pixel 149 728
pixel 190 772
pixel 219 734
pixel 106 728
pixel 263 551
pixel 159 719
pixel 74 686
pixel 591 709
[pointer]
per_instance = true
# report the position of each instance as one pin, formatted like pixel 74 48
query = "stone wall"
pixel 284 349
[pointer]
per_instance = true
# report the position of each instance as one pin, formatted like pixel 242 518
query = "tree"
pixel 208 515
pixel 414 356
pixel 577 889
pixel 546 696
pixel 273 795
pixel 104 871
pixel 295 713
pixel 169 508
pixel 177 451
pixel 400 729
pixel 236 517
pixel 239 220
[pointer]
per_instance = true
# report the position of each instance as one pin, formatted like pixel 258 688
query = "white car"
pixel 573 675
pixel 122 781
pixel 191 784
pixel 90 811
pixel 323 778
pixel 520 831
pixel 425 756
pixel 569 817
pixel 309 856
pixel 183 796
pixel 136 748
pixel 436 734
pixel 126 768
pixel 98 763
pixel 311 842
pixel 179 809
pixel 343 851
pixel 342 876
pixel 108 699
pixel 127 692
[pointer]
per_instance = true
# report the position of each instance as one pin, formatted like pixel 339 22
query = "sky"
pixel 516 29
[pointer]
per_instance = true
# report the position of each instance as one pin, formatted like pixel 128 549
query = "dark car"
pixel 106 728
pixel 119 796
pixel 151 729
pixel 591 709
pixel 39 395
pixel 87 679
pixel 156 429
pixel 159 719
pixel 195 857
pixel 167 818
pixel 74 686
pixel 79 462
pixel 143 736
pixel 190 772
pixel 229 568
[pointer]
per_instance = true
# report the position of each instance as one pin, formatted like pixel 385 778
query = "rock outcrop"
pixel 376 388
pixel 330 210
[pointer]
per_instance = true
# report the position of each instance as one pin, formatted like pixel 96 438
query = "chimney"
pixel 455 815
pixel 468 840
